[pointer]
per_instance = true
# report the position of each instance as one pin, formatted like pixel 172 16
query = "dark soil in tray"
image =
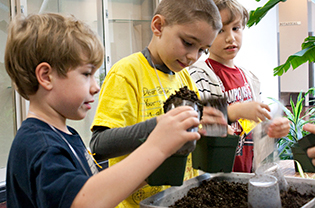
pixel 226 194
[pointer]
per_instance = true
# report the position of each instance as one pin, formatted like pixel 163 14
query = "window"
pixel 7 106
pixel 124 21
pixel 86 10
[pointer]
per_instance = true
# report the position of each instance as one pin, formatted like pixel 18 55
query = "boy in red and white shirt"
pixel 218 77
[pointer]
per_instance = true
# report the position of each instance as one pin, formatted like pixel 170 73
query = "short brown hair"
pixel 235 8
pixel 64 42
pixel 188 11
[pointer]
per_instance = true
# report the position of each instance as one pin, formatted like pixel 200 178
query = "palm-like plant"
pixel 297 122
pixel 307 52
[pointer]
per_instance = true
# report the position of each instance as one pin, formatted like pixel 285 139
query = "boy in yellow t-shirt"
pixel 132 95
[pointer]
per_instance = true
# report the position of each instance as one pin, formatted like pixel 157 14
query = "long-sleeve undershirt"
pixel 119 141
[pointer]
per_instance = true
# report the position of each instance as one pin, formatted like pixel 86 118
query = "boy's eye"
pixel 236 28
pixel 87 74
pixel 187 43
pixel 204 50
pixel 220 31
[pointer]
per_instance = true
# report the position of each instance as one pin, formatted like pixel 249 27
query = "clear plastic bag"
pixel 265 148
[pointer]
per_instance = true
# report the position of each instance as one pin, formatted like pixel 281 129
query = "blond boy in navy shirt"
pixel 52 60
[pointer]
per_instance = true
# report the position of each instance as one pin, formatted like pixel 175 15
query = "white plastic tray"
pixel 171 195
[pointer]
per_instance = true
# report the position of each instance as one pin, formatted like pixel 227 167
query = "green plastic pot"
pixel 215 154
pixel 299 154
pixel 170 172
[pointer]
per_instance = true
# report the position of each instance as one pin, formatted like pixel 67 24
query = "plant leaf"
pixel 285 109
pixel 308 46
pixel 283 150
pixel 298 107
pixel 309 113
pixel 308 42
pixel 299 58
pixel 300 169
pixel 311 90
pixel 256 15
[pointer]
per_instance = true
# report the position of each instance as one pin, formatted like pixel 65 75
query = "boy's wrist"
pixel 233 112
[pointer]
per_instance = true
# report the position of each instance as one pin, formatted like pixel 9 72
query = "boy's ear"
pixel 157 23
pixel 43 73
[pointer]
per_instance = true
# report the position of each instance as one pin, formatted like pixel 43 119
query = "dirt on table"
pixel 225 194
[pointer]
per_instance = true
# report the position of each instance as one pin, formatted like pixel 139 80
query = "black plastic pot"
pixel 215 154
pixel 307 141
pixel 170 172
pixel 300 155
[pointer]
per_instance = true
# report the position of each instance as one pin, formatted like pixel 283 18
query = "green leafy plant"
pixel 256 15
pixel 298 120
pixel 307 52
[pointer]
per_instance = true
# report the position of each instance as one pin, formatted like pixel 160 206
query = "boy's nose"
pixel 192 57
pixel 94 88
pixel 230 38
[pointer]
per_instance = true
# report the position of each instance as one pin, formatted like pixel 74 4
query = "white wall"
pixel 293 29
pixel 259 52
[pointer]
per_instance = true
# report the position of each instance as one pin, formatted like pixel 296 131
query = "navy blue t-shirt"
pixel 42 171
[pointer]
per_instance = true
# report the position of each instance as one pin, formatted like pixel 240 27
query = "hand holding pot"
pixel 188 146
pixel 311 150
pixel 169 135
pixel 211 116
pixel 185 97
pixel 171 129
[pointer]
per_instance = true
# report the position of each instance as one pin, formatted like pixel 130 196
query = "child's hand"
pixel 311 154
pixel 211 115
pixel 279 127
pixel 230 130
pixel 249 110
pixel 170 133
pixel 310 151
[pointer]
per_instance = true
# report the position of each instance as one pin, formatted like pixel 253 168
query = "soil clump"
pixel 181 95
pixel 227 194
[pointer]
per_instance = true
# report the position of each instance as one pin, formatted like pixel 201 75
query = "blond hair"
pixel 188 11
pixel 64 42
pixel 236 9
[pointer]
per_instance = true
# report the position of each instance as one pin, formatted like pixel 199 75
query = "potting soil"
pixel 182 94
pixel 224 194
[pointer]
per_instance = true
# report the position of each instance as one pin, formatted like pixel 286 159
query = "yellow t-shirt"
pixel 131 93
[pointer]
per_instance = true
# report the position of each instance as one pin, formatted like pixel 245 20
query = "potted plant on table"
pixel 306 54
pixel 288 146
